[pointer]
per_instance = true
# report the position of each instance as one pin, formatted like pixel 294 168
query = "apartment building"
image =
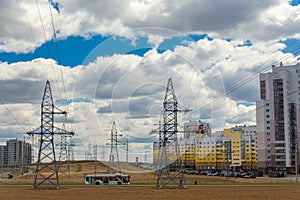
pixel 15 153
pixel 3 156
pixel 278 119
pixel 192 130
pixel 233 148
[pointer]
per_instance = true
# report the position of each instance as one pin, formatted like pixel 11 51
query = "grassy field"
pixel 150 192
pixel 143 187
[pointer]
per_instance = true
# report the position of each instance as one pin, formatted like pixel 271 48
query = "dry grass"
pixel 143 187
pixel 139 176
pixel 150 192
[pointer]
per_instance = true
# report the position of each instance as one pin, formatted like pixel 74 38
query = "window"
pixel 262 89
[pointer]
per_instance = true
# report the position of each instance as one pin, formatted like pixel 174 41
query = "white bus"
pixel 107 179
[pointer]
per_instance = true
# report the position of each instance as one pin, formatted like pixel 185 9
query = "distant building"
pixel 191 129
pixel 196 128
pixel 3 156
pixel 15 153
pixel 278 119
pixel 156 146
pixel 170 151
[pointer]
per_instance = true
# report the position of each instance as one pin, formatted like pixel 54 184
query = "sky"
pixel 111 60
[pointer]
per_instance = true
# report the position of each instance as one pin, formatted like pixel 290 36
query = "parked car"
pixel 230 174
pixel 190 172
pixel 237 174
pixel 249 176
pixel 215 174
pixel 199 172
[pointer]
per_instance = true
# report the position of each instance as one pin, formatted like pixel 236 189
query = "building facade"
pixel 15 153
pixel 233 148
pixel 278 119
pixel 192 130
pixel 3 156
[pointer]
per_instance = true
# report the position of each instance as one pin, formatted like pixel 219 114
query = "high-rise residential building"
pixel 3 155
pixel 18 153
pixel 278 119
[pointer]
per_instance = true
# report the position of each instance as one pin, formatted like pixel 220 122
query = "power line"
pixel 246 80
pixel 8 110
pixel 244 114
pixel 56 45
pixel 244 17
pixel 47 45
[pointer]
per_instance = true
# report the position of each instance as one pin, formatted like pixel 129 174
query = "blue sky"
pixel 74 49
pixel 295 2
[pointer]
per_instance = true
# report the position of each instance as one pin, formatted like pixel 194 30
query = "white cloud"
pixel 271 20
pixel 133 87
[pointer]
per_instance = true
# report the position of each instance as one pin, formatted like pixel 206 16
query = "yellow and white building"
pixel 233 147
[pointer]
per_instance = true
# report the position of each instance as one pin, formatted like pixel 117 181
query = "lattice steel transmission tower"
pixel 46 165
pixel 114 142
pixel 71 155
pixel 64 155
pixel 169 164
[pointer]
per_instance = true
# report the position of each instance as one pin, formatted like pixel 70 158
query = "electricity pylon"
pixel 114 142
pixel 46 166
pixel 71 144
pixel 169 164
pixel 64 155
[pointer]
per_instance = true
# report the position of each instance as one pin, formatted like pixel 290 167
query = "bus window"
pixel 105 180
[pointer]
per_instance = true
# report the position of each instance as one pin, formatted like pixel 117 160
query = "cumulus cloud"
pixel 210 75
pixel 271 20
pixel 131 88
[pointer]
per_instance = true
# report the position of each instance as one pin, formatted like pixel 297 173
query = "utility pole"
pixel 95 157
pixel 46 156
pixel 127 150
pixel 168 142
pixel 102 153
pixel 296 160
pixel 145 157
